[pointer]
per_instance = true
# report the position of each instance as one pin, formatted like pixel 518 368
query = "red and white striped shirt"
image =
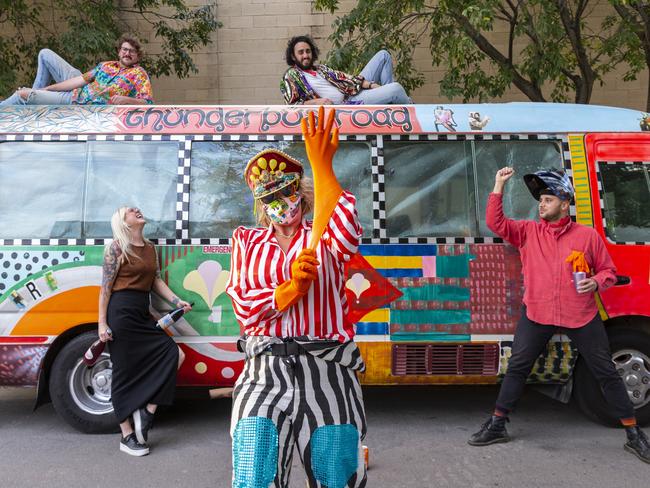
pixel 258 265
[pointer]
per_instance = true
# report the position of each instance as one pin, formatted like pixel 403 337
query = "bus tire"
pixel 81 395
pixel 630 348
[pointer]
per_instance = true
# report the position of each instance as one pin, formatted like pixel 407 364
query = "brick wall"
pixel 244 64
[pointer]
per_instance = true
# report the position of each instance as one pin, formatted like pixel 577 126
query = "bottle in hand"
pixel 92 354
pixel 167 320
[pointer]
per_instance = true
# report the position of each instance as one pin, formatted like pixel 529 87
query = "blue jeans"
pixel 380 70
pixel 51 68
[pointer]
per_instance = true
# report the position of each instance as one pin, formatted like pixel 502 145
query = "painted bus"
pixel 421 174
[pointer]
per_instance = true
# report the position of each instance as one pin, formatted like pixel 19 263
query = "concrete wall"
pixel 245 62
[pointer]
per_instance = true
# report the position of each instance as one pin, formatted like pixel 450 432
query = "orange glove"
pixel 321 142
pixel 304 270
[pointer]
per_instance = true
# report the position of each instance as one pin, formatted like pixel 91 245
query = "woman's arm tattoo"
pixel 110 268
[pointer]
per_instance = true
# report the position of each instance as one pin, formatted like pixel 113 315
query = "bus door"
pixel 619 174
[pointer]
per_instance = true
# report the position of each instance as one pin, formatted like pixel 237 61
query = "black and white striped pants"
pixel 313 400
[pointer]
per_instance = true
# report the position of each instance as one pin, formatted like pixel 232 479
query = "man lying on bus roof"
pixel 121 82
pixel 306 82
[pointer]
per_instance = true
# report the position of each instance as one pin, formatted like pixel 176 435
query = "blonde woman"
pixel 145 359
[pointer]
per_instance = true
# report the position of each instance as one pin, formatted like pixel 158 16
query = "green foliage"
pixel 549 49
pixel 84 32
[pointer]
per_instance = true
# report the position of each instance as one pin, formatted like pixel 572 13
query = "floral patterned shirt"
pixel 108 79
pixel 296 90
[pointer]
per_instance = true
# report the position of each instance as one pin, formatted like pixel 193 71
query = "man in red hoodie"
pixel 553 303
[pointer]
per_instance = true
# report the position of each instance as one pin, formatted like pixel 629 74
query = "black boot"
pixel 492 431
pixel 637 443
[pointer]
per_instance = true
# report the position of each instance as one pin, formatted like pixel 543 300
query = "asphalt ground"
pixel 417 438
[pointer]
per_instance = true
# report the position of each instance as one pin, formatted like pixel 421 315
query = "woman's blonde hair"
pixel 306 188
pixel 122 234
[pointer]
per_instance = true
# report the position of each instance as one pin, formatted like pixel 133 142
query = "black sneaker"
pixel 637 443
pixel 142 422
pixel 491 432
pixel 131 446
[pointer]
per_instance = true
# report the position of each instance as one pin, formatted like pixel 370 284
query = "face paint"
pixel 285 210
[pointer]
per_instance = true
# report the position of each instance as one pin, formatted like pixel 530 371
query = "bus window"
pixel 48 180
pixel 525 157
pixel 429 188
pixel 140 174
pixel 627 192
pixel 217 175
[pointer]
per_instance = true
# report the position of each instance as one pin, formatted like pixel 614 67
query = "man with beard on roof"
pixel 121 82
pixel 310 83
pixel 299 385
pixel 554 303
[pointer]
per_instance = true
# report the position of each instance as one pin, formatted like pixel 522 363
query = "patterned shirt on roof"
pixel 296 90
pixel 108 79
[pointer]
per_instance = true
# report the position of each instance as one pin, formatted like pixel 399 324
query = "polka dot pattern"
pixel 15 266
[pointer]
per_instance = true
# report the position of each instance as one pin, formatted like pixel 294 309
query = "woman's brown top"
pixel 140 272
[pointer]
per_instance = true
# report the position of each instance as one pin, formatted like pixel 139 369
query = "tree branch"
pixel 530 89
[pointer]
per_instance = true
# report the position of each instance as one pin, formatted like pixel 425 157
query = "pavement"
pixel 417 437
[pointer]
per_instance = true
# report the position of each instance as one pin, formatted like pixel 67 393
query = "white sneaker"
pixel 131 446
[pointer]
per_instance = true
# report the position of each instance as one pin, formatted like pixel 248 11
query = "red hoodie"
pixel 549 292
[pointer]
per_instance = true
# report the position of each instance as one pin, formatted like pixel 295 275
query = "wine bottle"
pixel 94 351
pixel 168 319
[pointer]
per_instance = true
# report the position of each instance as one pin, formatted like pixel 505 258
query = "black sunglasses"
pixel 287 191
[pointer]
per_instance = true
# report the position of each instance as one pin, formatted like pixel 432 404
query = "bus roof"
pixel 514 117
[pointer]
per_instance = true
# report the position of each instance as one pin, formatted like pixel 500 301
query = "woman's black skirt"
pixel 144 357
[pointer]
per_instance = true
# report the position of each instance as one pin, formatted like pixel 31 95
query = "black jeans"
pixel 592 344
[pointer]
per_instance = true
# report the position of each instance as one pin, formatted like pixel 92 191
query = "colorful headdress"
pixel 555 181
pixel 271 170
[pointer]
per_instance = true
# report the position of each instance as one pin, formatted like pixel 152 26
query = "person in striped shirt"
pixel 299 385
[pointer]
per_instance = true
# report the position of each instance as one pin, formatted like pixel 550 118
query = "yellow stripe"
pixel 601 308
pixel 580 180
pixel 378 315
pixel 388 262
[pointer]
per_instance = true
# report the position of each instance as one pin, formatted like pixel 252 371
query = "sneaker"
pixel 637 443
pixel 131 446
pixel 491 432
pixel 142 422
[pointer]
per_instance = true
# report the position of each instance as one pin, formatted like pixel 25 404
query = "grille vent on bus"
pixel 445 359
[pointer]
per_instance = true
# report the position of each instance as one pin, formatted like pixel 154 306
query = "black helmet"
pixel 550 182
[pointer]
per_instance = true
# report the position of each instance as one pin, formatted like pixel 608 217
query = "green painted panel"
pixel 208 319
pixel 453 266
pixel 430 316
pixel 435 293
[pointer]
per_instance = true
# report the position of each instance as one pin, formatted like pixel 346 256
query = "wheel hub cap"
pixel 634 368
pixel 90 388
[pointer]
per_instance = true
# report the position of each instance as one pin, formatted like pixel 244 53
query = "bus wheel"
pixel 631 355
pixel 82 395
